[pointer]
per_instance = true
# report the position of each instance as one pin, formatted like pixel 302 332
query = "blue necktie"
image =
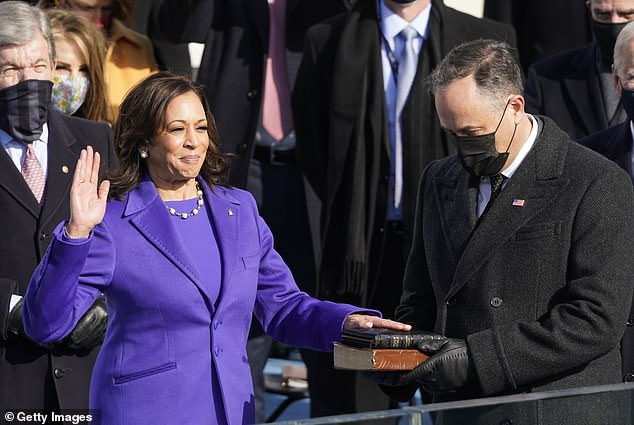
pixel 407 65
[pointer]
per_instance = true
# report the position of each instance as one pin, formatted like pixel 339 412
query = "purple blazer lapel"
pixel 150 217
pixel 225 214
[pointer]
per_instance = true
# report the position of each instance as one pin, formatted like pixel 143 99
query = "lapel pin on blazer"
pixel 230 212
pixel 65 169
pixel 518 202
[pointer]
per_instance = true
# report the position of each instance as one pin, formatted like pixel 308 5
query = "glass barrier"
pixel 598 405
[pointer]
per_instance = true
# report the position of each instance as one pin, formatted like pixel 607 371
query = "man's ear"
pixel 517 104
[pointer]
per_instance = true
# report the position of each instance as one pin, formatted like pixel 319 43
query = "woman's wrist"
pixel 76 232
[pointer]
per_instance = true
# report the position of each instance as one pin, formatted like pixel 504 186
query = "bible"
pixel 382 338
pixel 386 359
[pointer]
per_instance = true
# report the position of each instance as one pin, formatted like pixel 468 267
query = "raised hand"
pixel 363 321
pixel 87 197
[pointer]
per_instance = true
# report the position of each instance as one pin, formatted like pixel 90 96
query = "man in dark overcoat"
pixel 574 88
pixel 615 143
pixel 32 376
pixel 521 255
pixel 347 116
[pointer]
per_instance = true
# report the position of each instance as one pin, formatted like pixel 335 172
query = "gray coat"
pixel 541 292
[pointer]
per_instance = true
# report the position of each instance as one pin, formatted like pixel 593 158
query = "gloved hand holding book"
pixel 447 369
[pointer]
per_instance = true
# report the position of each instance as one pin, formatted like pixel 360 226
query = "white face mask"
pixel 69 93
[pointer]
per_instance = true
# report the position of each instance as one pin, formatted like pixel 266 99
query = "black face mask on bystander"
pixel 605 35
pixel 24 109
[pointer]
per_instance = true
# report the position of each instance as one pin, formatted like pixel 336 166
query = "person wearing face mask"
pixel 615 143
pixel 78 81
pixel 365 131
pixel 522 256
pixel 129 54
pixel 40 147
pixel 574 88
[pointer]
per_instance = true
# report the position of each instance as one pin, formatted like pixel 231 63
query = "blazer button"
pixel 216 324
pixel 59 373
pixel 242 147
pixel 506 422
pixel 45 236
pixel 629 377
pixel 217 351
pixel 252 94
pixel 630 322
pixel 496 302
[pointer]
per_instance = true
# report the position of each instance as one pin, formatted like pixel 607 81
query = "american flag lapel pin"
pixel 518 202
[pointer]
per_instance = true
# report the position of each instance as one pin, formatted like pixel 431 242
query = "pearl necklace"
pixel 199 204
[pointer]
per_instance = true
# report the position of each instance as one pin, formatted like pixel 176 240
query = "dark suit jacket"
pixel 24 236
pixel 566 88
pixel 236 35
pixel 615 143
pixel 540 292
pixel 332 124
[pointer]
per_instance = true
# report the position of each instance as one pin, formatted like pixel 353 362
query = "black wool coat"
pixel 541 292
pixel 30 375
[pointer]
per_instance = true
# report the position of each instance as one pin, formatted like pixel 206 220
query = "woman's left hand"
pixel 363 321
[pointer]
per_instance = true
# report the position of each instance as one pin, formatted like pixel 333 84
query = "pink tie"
pixel 276 108
pixel 33 173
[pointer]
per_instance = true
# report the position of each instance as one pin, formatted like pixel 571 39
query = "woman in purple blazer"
pixel 183 262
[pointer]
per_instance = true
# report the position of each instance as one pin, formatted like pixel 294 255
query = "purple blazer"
pixel 164 333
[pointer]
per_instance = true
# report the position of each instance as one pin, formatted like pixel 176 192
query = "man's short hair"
pixel 19 22
pixel 492 64
pixel 623 40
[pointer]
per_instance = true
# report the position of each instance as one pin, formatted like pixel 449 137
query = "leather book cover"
pixel 380 338
pixel 392 359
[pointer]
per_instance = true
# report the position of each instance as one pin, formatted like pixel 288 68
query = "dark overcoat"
pixel 615 143
pixel 540 289
pixel 29 375
pixel 566 88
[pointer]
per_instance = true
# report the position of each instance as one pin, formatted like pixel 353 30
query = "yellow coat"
pixel 130 58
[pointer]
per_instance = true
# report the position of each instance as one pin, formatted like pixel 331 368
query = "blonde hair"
pixel 75 27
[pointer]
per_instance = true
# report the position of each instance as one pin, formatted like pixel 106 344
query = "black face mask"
pixel 478 154
pixel 606 35
pixel 24 109
pixel 627 100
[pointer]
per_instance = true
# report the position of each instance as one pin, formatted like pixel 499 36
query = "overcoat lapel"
pixel 538 182
pixel 225 215
pixel 13 182
pixel 619 147
pixel 63 152
pixel 584 92
pixel 457 208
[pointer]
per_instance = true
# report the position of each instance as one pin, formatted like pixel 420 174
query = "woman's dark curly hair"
pixel 142 117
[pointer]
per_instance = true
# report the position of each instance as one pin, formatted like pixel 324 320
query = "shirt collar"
pixel 528 144
pixel 392 24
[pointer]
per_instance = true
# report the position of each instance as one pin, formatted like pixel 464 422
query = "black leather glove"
pixel 429 343
pixel 15 326
pixel 447 370
pixel 91 328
